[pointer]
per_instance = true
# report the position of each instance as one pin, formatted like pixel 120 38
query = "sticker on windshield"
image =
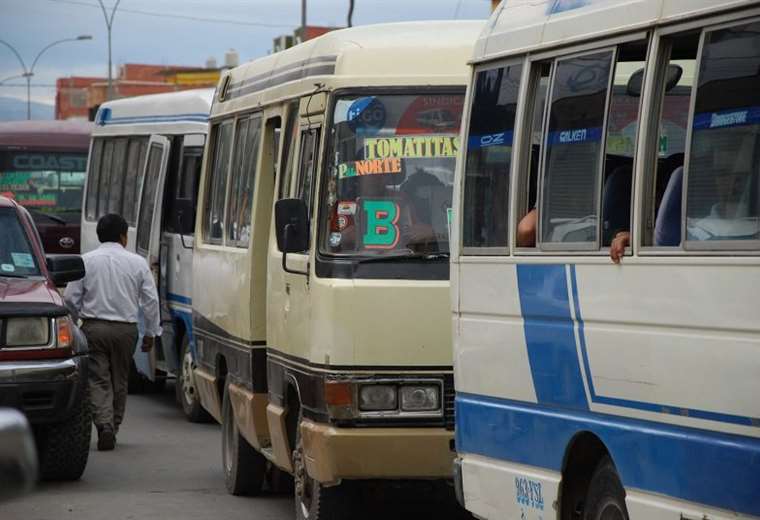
pixel 347 208
pixel 416 147
pixel 22 259
pixel 369 167
pixel 366 115
pixel 7 268
pixel 381 218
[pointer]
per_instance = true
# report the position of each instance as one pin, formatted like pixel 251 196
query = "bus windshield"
pixel 43 181
pixel 390 173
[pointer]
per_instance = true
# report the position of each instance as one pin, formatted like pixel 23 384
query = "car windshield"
pixel 390 173
pixel 50 183
pixel 16 255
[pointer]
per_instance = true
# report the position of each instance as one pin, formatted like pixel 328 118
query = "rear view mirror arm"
pixel 286 234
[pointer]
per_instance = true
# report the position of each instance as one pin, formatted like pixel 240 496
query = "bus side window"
pixel 307 167
pixel 723 175
pixel 135 162
pixel 93 180
pixel 118 165
pixel 528 197
pixel 489 157
pixel 620 148
pixel 187 189
pixel 288 151
pixel 242 184
pixel 213 218
pixel 662 226
pixel 104 182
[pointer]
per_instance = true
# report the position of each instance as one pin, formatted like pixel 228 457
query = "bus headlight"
pixel 378 398
pixel 420 398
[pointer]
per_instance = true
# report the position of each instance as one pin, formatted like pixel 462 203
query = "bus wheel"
pixel 314 501
pixel 606 496
pixel 187 393
pixel 245 469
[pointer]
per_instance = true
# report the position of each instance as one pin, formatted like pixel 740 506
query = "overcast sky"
pixel 171 31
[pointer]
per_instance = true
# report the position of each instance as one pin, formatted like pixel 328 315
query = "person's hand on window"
pixel 619 243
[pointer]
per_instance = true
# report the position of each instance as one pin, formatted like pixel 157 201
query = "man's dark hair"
pixel 111 228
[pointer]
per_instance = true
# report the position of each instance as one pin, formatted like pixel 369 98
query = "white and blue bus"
pixel 145 163
pixel 588 387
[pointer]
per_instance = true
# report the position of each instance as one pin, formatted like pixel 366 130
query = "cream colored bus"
pixel 321 276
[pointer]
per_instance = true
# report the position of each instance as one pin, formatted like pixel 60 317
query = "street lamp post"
pixel 29 72
pixel 109 24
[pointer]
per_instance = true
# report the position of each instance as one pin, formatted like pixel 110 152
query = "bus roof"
pixel 50 135
pixel 414 49
pixel 519 26
pixel 172 107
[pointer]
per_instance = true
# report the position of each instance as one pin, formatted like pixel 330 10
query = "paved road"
pixel 165 468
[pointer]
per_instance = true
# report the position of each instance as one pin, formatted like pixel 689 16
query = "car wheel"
pixel 314 501
pixel 65 447
pixel 187 392
pixel 605 499
pixel 245 469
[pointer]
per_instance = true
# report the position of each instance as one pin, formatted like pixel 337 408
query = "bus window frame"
pixel 749 246
pixel 595 245
pixel 90 203
pixel 207 177
pixel 521 180
pixel 651 89
pixel 515 157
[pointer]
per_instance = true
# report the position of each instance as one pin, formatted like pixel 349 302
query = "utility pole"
pixel 109 24
pixel 303 21
pixel 29 72
pixel 350 13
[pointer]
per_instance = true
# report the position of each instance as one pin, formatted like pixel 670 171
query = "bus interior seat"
pixel 616 203
pixel 667 229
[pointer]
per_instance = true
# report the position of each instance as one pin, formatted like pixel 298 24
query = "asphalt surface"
pixel 165 468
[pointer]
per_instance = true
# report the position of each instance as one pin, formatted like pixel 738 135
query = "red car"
pixel 43 355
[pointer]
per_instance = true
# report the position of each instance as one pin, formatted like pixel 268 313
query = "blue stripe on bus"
pixel 172 297
pixel 710 468
pixel 177 118
pixel 550 335
pixel 640 405
pixel 560 6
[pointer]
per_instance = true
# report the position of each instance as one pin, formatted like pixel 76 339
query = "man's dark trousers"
pixel 112 345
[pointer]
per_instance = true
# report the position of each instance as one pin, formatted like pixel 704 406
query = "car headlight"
pixel 27 332
pixel 420 398
pixel 377 398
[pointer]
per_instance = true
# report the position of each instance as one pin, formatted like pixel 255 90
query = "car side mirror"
pixel 291 220
pixel 65 268
pixel 18 455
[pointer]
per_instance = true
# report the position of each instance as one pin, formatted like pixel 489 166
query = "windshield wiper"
pixel 408 256
pixel 43 214
pixel 12 275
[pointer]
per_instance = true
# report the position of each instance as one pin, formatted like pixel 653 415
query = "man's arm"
pixel 148 301
pixel 73 296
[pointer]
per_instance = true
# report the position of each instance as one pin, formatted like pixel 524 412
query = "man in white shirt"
pixel 117 284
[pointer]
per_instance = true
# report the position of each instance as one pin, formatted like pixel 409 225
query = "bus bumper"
pixel 334 453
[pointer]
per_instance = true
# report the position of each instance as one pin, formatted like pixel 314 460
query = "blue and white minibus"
pixel 145 163
pixel 594 387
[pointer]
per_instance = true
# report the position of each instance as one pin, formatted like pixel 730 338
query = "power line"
pixel 179 16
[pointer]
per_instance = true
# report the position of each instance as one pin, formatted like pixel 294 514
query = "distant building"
pixel 285 41
pixel 80 97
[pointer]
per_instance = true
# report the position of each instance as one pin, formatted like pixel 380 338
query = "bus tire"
pixel 186 391
pixel 314 501
pixel 245 469
pixel 605 499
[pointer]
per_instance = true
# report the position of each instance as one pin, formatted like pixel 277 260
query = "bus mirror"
pixel 636 80
pixel 291 225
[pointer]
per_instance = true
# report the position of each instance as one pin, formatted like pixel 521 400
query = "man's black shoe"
pixel 106 439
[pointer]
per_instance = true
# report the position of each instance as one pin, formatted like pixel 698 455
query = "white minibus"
pixel 321 275
pixel 605 262
pixel 145 162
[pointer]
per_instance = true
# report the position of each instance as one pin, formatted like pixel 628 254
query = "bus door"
pixel 148 240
